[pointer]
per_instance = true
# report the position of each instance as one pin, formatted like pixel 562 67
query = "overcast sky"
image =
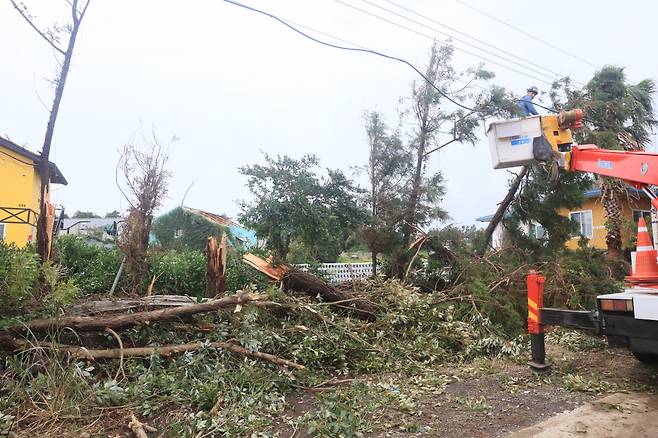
pixel 230 83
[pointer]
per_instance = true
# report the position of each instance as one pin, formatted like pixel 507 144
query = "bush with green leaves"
pixel 19 271
pixel 92 267
pixel 181 271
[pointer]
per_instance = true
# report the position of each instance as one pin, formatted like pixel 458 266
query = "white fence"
pixel 340 272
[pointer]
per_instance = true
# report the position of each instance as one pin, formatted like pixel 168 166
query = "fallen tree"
pixel 294 279
pixel 104 306
pixel 164 350
pixel 300 281
pixel 94 323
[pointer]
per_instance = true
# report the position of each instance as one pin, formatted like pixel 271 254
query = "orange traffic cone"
pixel 646 268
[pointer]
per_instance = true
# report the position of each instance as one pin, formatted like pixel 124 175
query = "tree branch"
pixel 442 146
pixel 39 31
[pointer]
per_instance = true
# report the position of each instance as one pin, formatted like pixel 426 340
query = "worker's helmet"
pixel 533 89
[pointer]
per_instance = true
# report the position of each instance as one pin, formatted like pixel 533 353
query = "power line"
pixel 432 38
pixel 352 43
pixel 462 33
pixel 354 49
pixel 559 49
pixel 362 49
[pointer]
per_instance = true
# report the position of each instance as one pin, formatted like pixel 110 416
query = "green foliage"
pixel 618 116
pixel 293 203
pixel 57 291
pixel 539 198
pixel 179 272
pixel 92 267
pixel 340 413
pixel 47 380
pixel 492 288
pixel 182 229
pixel 85 215
pixel 19 271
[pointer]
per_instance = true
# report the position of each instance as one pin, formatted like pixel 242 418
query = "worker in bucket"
pixel 525 103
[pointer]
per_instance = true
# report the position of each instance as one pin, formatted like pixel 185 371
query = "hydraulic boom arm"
pixel 639 169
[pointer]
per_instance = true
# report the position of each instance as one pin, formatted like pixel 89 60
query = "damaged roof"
pixel 56 176
pixel 212 217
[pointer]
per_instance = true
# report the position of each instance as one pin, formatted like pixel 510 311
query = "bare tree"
pixel 142 178
pixel 53 37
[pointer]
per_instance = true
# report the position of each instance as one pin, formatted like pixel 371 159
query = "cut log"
pixel 165 350
pixel 216 266
pixel 94 323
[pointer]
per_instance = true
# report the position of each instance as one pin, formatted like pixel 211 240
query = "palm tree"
pixel 618 116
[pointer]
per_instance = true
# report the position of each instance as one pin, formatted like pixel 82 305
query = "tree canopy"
pixel 293 203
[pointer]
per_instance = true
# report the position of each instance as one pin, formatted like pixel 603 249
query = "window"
pixel 644 213
pixel 537 231
pixel 584 220
pixel 2 231
pixel 178 233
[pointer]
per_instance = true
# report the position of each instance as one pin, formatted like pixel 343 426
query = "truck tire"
pixel 650 358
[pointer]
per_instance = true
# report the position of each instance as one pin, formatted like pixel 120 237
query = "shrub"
pixel 92 267
pixel 178 272
pixel 19 271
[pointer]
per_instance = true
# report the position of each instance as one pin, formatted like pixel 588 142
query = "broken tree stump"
pixel 216 266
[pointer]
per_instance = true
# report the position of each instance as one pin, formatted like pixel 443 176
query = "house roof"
pixel 89 223
pixel 212 217
pixel 56 176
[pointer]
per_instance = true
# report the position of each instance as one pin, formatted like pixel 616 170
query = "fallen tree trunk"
pixel 300 281
pixel 93 323
pixel 103 306
pixel 165 350
pixel 502 209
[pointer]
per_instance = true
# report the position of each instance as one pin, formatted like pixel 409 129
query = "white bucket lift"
pixel 510 141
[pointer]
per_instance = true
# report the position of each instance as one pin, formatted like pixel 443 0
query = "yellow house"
pixel 20 192
pixel 591 217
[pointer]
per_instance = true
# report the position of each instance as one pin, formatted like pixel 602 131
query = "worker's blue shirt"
pixel 526 105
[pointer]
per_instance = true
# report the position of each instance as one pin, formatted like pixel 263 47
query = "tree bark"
pixel 44 168
pixel 502 208
pixel 299 281
pixel 613 212
pixel 94 323
pixel 216 267
pixel 166 350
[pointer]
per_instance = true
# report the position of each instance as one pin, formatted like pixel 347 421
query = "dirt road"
pixel 617 415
